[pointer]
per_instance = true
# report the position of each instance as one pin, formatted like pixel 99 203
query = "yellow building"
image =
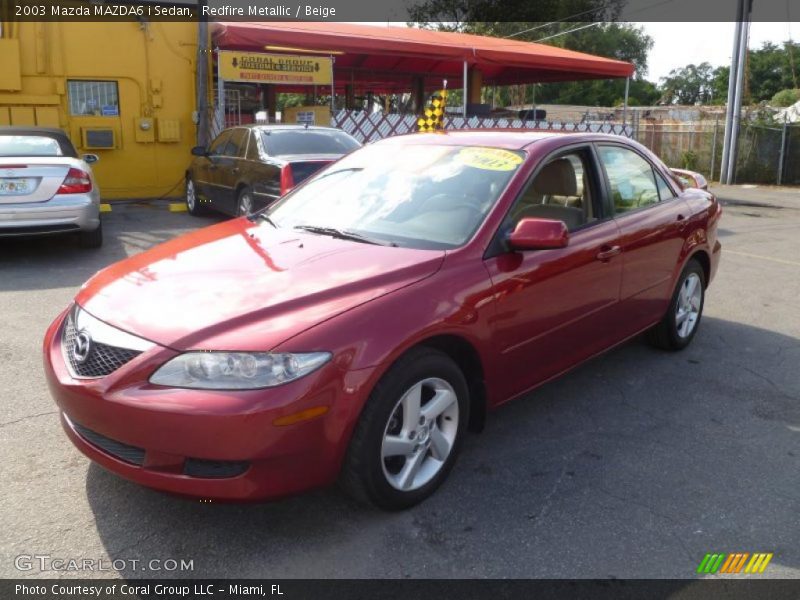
pixel 124 91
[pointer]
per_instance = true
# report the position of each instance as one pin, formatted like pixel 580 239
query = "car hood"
pixel 244 286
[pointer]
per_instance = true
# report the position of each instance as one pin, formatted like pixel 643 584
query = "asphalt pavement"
pixel 635 464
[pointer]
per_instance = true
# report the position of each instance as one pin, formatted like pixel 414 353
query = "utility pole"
pixel 737 107
pixel 735 91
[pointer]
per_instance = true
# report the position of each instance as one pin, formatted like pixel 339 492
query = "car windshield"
pixel 414 195
pixel 29 145
pixel 283 142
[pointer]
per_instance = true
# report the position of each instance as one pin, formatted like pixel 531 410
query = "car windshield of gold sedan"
pixel 411 195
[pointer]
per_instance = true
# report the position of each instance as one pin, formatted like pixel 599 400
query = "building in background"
pixel 123 90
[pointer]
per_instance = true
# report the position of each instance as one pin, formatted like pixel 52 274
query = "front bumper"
pixel 177 428
pixel 61 214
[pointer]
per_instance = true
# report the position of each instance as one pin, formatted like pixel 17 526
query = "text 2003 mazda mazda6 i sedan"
pixel 356 328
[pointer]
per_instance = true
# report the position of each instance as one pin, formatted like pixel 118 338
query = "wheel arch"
pixel 702 257
pixel 466 356
pixel 240 185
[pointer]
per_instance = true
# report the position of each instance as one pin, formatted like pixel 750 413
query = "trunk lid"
pixel 26 180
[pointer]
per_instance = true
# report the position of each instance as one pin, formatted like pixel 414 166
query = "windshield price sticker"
pixel 489 159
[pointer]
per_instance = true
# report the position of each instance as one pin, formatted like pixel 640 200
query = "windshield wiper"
pixel 263 217
pixel 344 234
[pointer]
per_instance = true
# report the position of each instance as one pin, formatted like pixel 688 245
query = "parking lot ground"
pixel 636 464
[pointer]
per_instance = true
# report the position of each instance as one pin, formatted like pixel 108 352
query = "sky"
pixel 679 44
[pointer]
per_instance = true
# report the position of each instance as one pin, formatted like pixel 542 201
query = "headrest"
pixel 556 179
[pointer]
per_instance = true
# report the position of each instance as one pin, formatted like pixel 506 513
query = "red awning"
pixel 384 58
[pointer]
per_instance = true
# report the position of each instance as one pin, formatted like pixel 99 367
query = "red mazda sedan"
pixel 355 329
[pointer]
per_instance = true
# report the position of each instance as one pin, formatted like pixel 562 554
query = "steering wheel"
pixel 464 201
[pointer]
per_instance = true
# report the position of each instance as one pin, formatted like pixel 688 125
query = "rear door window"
pixel 237 143
pixel 630 177
pixel 252 146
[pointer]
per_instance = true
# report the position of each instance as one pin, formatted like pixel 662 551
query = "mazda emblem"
pixel 82 346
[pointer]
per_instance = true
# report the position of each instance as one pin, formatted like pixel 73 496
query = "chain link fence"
pixel 768 154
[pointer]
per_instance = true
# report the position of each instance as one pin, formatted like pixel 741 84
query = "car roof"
pixel 67 148
pixel 511 139
pixel 26 129
pixel 276 126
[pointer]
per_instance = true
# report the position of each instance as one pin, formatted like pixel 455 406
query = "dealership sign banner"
pixel 253 67
pixel 397 589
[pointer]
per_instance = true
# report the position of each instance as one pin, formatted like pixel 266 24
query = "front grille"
pixel 124 452
pixel 102 360
pixel 195 467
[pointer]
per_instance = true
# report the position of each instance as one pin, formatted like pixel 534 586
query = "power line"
pixel 550 37
pixel 569 18
pixel 592 10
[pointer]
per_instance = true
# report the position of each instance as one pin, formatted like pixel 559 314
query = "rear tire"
pixel 91 239
pixel 244 202
pixel 409 433
pixel 678 327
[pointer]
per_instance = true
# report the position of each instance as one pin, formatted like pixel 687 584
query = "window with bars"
pixel 96 98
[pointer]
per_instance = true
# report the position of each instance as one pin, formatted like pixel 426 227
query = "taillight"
pixel 76 182
pixel 287 179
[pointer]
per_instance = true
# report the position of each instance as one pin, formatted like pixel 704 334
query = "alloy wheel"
pixel 687 308
pixel 245 204
pixel 420 434
pixel 190 195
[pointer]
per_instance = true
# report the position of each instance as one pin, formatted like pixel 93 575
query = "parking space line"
pixel 104 207
pixel 794 263
pixel 177 207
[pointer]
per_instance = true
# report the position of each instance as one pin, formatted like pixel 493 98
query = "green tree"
pixel 498 15
pixel 692 84
pixel 770 69
pixel 785 98
pixel 719 85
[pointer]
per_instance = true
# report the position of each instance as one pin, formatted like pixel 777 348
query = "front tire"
pixel 193 202
pixel 679 325
pixel 409 433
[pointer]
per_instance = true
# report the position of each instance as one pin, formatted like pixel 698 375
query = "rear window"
pixel 279 142
pixel 29 145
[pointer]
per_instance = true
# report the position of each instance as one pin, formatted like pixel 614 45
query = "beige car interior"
pixel 560 192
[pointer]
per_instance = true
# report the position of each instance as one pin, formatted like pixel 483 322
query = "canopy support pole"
pixel 464 108
pixel 625 103
pixel 333 89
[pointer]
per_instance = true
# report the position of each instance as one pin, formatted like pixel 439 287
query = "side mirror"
pixel 90 158
pixel 538 234
pixel 199 151
pixel 690 179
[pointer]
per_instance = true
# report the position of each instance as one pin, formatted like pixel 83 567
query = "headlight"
pixel 236 370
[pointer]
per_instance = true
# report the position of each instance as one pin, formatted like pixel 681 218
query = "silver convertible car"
pixel 45 187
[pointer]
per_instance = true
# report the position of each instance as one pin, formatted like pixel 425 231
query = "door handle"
pixel 235 170
pixel 681 222
pixel 608 252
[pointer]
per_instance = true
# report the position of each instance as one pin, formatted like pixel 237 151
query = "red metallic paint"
pixel 526 316
pixel 538 234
